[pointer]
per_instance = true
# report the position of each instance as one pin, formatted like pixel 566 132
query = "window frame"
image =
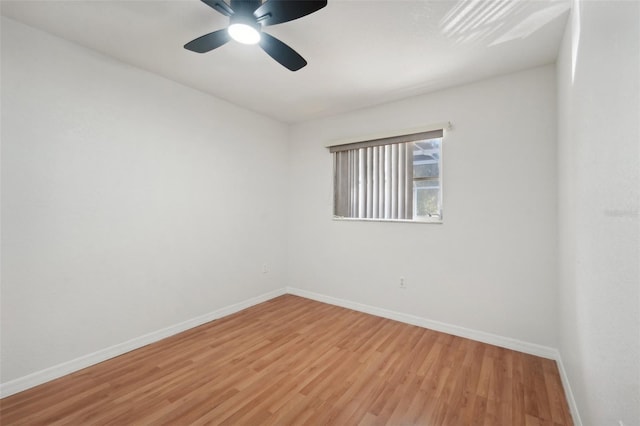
pixel 436 219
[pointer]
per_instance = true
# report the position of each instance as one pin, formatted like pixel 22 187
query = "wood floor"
pixel 296 361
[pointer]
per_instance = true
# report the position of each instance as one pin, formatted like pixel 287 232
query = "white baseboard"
pixel 480 336
pixel 573 407
pixel 51 373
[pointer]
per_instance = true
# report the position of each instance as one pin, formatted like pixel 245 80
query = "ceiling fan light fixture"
pixel 246 19
pixel 244 33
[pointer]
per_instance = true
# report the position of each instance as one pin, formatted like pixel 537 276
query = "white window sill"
pixel 357 219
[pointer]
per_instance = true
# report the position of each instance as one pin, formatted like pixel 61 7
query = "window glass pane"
pixel 426 158
pixel 425 170
pixel 427 144
pixel 427 198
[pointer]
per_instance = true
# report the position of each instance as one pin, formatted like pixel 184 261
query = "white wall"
pixel 599 238
pixel 129 203
pixel 491 265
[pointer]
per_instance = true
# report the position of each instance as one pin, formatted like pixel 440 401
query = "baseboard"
pixel 48 374
pixel 573 407
pixel 480 336
pixel 51 373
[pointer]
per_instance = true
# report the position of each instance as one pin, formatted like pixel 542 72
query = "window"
pixel 397 178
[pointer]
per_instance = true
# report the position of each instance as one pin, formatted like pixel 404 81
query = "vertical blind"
pixel 374 179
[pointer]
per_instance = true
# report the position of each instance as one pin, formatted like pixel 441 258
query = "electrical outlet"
pixel 403 283
pixel 265 268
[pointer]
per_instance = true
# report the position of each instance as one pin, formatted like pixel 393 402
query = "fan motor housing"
pixel 245 7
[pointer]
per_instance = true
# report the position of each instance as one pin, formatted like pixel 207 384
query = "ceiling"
pixel 360 52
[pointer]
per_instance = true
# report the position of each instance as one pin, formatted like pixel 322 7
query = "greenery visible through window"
pixel 398 178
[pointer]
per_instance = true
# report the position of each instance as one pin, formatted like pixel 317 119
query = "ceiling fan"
pixel 246 19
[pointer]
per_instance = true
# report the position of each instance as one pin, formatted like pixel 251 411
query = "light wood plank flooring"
pixel 295 361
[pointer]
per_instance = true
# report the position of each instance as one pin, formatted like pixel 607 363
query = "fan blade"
pixel 208 41
pixel 282 53
pixel 220 6
pixel 278 11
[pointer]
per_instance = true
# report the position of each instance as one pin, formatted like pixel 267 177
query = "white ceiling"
pixel 360 52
